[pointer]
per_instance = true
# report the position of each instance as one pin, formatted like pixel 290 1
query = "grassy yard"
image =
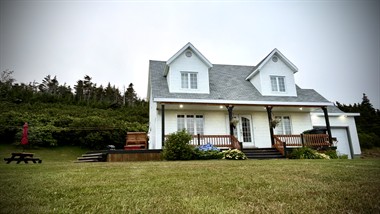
pixel 254 186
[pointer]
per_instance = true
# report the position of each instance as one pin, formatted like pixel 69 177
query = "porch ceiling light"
pixel 220 107
pixel 180 106
pixel 301 108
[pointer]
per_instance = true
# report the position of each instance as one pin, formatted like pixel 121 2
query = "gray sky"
pixel 334 44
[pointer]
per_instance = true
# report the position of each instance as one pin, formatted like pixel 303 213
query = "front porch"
pixel 281 141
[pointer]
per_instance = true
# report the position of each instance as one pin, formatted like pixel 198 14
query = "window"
pixel 189 79
pixel 194 124
pixel 199 124
pixel 284 127
pixel 277 83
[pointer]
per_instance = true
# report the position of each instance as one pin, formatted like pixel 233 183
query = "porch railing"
pixel 302 140
pixel 280 145
pixel 310 140
pixel 227 141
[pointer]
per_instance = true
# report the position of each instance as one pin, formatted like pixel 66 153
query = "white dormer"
pixel 274 76
pixel 188 71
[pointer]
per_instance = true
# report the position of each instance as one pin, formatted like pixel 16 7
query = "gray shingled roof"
pixel 227 82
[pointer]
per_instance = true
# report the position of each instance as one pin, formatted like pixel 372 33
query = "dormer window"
pixel 278 83
pixel 189 80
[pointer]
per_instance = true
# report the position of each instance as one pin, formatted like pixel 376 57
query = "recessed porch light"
pixel 220 107
pixel 181 106
pixel 301 108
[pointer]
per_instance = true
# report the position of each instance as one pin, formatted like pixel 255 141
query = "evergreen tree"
pixel 79 90
pixel 130 95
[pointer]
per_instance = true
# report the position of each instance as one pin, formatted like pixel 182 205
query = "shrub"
pixel 177 147
pixel 302 153
pixel 307 153
pixel 234 155
pixel 207 152
pixel 344 156
pixel 368 140
pixel 207 155
pixel 332 154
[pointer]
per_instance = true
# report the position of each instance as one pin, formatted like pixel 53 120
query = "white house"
pixel 189 92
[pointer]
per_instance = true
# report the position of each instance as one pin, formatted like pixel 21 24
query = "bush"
pixel 234 155
pixel 207 155
pixel 177 147
pixel 207 152
pixel 368 141
pixel 332 154
pixel 343 156
pixel 307 153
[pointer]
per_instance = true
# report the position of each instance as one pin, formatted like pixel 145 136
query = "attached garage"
pixel 343 128
pixel 344 145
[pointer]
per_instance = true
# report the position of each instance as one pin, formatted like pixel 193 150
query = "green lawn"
pixel 219 186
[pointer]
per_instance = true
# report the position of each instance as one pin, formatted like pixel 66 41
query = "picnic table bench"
pixel 23 156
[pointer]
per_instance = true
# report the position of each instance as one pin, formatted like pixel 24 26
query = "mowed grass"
pixel 218 186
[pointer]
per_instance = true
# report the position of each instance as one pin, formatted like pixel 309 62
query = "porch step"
pixel 92 157
pixel 263 153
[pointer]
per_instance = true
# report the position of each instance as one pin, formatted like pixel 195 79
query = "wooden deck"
pixel 282 142
pixel 134 155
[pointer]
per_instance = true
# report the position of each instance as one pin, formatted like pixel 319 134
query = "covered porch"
pixel 260 120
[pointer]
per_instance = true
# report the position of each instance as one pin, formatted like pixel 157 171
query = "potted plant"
pixel 234 121
pixel 274 122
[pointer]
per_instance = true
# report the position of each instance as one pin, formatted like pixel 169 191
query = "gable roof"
pixel 227 85
pixel 188 46
pixel 268 57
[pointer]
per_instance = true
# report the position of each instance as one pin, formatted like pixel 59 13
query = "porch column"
pixel 269 112
pixel 230 108
pixel 324 108
pixel 163 124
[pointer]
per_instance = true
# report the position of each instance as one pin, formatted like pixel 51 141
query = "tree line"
pixel 85 92
pixel 368 123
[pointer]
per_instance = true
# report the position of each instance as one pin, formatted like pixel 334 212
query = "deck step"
pixel 263 153
pixel 92 157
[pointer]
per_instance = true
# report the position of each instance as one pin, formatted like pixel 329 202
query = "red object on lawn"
pixel 24 139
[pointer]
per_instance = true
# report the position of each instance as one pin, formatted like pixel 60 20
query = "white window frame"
pixel 285 128
pixel 276 84
pixel 187 80
pixel 192 123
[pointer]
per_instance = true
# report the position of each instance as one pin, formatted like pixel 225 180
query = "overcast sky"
pixel 334 44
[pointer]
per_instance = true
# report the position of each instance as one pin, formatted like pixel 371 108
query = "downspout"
pixel 324 108
pixel 269 112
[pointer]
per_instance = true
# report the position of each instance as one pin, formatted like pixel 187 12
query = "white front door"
pixel 244 130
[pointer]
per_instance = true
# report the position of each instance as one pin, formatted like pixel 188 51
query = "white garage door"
pixel 343 146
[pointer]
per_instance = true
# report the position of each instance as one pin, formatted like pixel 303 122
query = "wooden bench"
pixel 136 140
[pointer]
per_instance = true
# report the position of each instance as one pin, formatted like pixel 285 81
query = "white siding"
pixel 278 68
pixel 256 81
pixel 341 122
pixel 188 64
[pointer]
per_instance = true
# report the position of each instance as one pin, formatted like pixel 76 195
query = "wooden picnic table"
pixel 22 156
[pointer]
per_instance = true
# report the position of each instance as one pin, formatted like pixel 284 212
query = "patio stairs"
pixel 92 157
pixel 263 153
